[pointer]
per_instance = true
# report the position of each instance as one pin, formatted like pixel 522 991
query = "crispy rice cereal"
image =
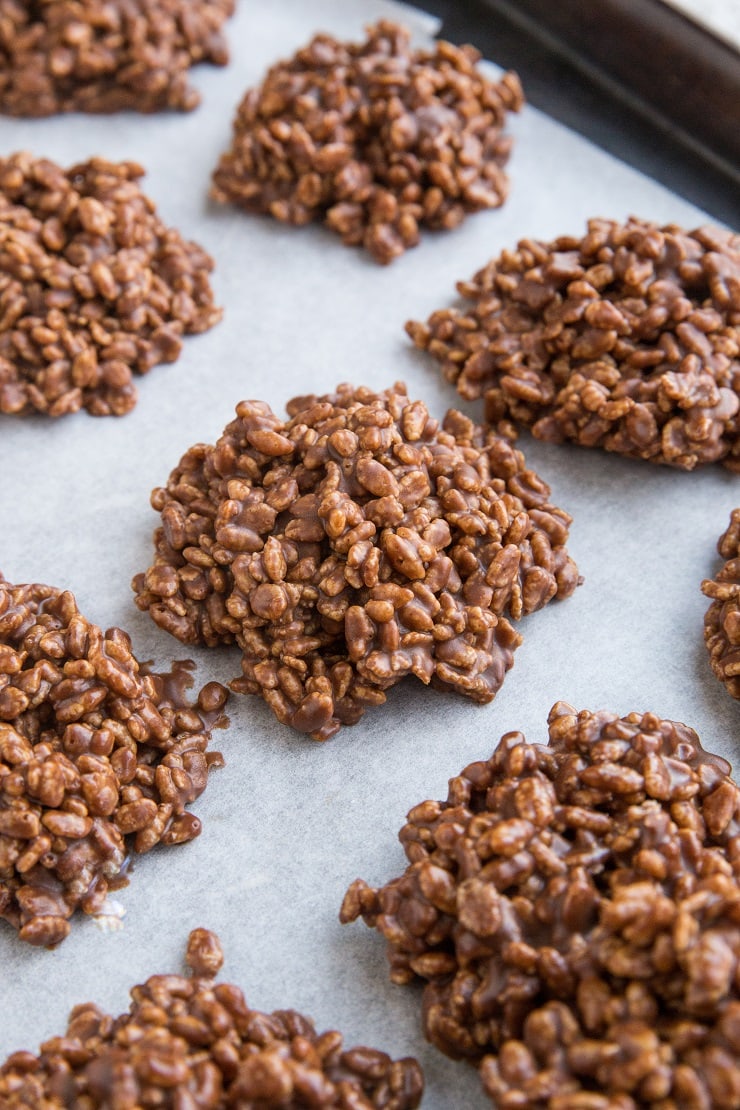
pixel 375 139
pixel 722 619
pixel 189 1043
pixel 354 543
pixel 627 338
pixel 92 286
pixel 574 912
pixel 99 758
pixel 96 56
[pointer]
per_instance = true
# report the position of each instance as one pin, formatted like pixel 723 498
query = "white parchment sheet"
pixel 289 823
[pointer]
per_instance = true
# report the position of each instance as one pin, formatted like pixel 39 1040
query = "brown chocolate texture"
pixel 354 543
pixel 722 618
pixel 95 56
pixel 574 913
pixel 99 759
pixel 627 338
pixel 375 139
pixel 190 1043
pixel 93 287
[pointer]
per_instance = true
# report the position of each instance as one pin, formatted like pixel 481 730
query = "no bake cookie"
pixel 351 544
pixel 627 338
pixel 95 56
pixel 574 913
pixel 94 287
pixel 100 758
pixel 375 139
pixel 722 619
pixel 188 1041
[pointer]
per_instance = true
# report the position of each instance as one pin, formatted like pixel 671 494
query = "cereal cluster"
pixel 353 544
pixel 190 1043
pixel 94 56
pixel 92 285
pixel 574 910
pixel 722 619
pixel 99 758
pixel 626 339
pixel 375 139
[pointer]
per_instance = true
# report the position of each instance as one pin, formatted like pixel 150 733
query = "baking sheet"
pixel 289 823
pixel 721 17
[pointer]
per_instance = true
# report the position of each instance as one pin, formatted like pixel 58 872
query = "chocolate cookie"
pixel 722 619
pixel 627 338
pixel 375 139
pixel 92 286
pixel 95 56
pixel 356 542
pixel 189 1041
pixel 574 913
pixel 99 758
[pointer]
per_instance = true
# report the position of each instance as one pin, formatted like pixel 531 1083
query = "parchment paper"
pixel 289 823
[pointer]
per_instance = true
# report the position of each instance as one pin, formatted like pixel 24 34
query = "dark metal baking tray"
pixel 636 77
